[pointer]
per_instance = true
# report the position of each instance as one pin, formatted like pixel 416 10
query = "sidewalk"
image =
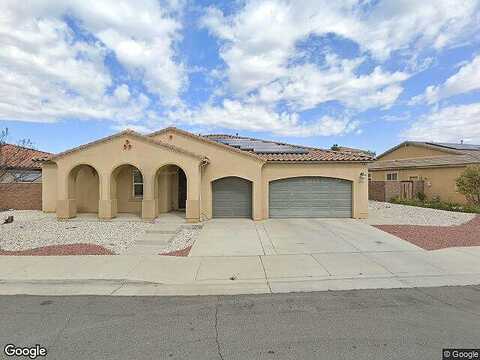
pixel 164 275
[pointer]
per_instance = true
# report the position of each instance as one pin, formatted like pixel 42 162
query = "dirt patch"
pixel 437 237
pixel 56 250
pixel 183 252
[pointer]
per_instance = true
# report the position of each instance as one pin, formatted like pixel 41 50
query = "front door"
pixel 182 190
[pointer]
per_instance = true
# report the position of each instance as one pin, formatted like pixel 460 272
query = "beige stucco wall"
pixel 225 163
pixel 438 181
pixel 87 190
pixel 126 201
pixel 412 151
pixel 158 166
pixel 49 187
pixel 167 188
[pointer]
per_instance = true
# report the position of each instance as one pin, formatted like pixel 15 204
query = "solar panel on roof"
pixel 459 146
pixel 260 146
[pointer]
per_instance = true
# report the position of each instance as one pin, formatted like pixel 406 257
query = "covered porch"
pixel 144 179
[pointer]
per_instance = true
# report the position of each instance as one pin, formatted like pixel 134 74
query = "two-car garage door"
pixel 288 198
pixel 310 197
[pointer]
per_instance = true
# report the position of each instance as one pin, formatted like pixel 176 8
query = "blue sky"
pixel 365 74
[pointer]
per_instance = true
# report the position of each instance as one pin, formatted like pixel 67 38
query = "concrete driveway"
pixel 241 237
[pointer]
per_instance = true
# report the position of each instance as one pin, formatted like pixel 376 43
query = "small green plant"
pixel 421 196
pixel 468 184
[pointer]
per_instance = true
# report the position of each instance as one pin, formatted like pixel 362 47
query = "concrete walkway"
pixel 196 275
pixel 154 240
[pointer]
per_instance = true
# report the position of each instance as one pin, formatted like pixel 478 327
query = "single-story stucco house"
pixel 208 176
pixel 437 165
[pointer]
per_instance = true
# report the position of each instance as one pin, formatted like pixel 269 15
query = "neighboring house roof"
pixel 447 160
pixel 445 147
pixel 279 151
pixel 132 134
pixel 455 155
pixel 461 147
pixel 354 150
pixel 20 157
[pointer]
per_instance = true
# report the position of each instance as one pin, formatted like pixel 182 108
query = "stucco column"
pixel 360 198
pixel 192 211
pixel 257 200
pixel 107 207
pixel 149 207
pixel 66 205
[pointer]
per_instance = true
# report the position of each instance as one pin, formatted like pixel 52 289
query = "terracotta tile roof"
pixel 206 140
pixel 447 160
pixel 288 152
pixel 14 156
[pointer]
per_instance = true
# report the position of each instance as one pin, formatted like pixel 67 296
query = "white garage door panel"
pixel 310 197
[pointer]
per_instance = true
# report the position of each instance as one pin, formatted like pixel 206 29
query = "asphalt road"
pixel 367 324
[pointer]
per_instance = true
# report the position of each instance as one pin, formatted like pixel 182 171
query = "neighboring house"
pixel 346 149
pixel 20 177
pixel 17 164
pixel 208 176
pixel 438 165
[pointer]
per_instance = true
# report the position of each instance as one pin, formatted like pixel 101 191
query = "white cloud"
pixel 260 39
pixel 236 115
pixel 450 124
pixel 48 73
pixel 466 79
pixel 307 86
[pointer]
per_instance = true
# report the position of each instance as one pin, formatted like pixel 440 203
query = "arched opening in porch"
pixel 127 189
pixel 171 190
pixel 83 189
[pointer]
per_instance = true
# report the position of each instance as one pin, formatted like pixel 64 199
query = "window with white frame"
pixel 392 176
pixel 137 184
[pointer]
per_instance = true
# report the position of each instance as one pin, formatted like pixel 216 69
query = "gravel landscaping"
pixel 34 229
pixel 57 250
pixel 437 237
pixel 183 240
pixel 382 213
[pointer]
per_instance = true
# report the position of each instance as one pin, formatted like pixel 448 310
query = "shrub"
pixel 421 196
pixel 437 204
pixel 468 184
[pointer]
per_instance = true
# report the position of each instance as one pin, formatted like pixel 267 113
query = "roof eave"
pixel 128 133
pixel 206 140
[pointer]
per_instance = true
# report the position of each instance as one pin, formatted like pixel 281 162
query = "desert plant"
pixel 468 184
pixel 421 196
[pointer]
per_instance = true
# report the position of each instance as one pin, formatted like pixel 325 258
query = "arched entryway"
pixel 126 189
pixel 232 198
pixel 170 189
pixel 84 189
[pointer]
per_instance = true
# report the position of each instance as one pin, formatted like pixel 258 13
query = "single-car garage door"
pixel 310 197
pixel 232 198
